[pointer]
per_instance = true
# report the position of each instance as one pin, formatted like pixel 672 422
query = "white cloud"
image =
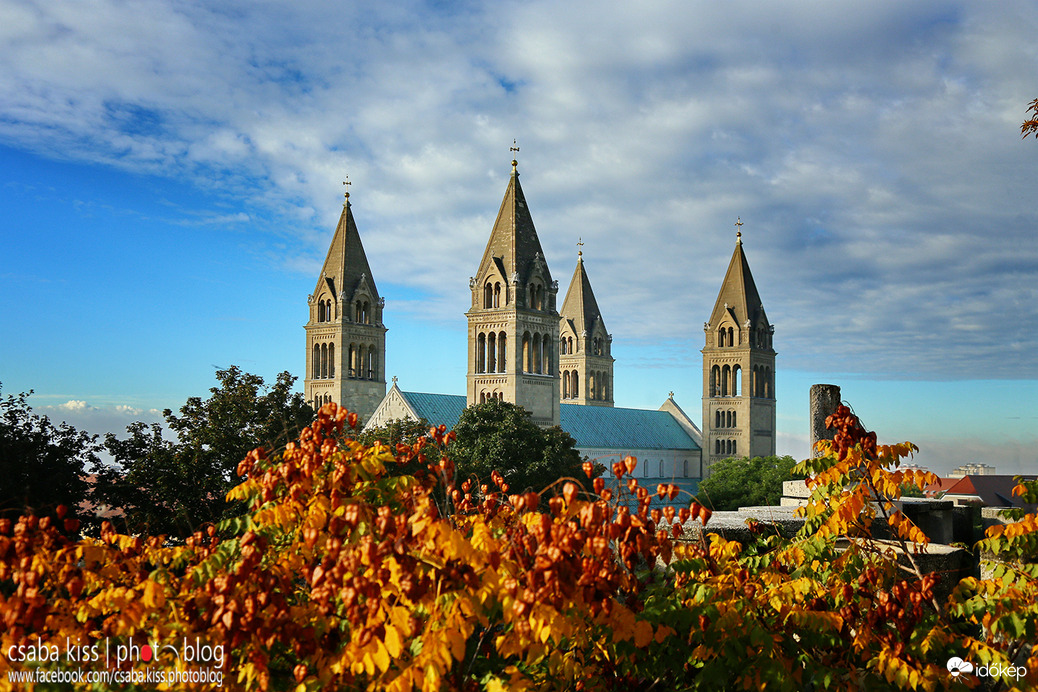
pixel 874 155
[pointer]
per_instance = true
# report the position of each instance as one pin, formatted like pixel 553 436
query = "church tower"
pixel 513 323
pixel 585 346
pixel 738 369
pixel 345 337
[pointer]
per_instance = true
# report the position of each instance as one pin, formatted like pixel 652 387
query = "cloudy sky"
pixel 171 173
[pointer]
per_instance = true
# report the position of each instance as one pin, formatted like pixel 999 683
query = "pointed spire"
pixel 580 306
pixel 738 292
pixel 346 264
pixel 513 242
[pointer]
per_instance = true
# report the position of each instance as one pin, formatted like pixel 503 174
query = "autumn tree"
pixel 1030 126
pixel 499 436
pixel 341 575
pixel 173 486
pixel 41 466
pixel 746 482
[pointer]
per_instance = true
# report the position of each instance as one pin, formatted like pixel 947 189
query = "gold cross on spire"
pixel 347 184
pixel 580 244
pixel 514 149
pixel 738 225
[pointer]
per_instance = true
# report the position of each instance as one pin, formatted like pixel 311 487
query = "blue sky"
pixel 170 176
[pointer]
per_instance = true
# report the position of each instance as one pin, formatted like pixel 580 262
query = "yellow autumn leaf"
pixel 456 640
pixel 394 643
pixel 154 596
pixel 381 656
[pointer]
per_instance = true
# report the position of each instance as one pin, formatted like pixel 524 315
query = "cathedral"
pixel 556 363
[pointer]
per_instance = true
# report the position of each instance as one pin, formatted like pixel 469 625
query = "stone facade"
pixel 513 324
pixel 522 350
pixel 345 337
pixel 738 370
pixel 585 345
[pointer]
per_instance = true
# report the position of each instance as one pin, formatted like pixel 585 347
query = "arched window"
pixel 684 468
pixel 538 354
pixel 497 294
pixel 726 378
pixel 645 470
pixel 661 468
pixel 547 364
pixel 492 352
pixel 317 362
pixel 737 380
pixel 717 446
pixel 720 338
pixel 501 358
pixel 717 419
pixel 735 446
pixel 527 362
pixel 331 360
pixel 328 311
pixel 769 385
pixel 592 390
pixel 565 384
pixel 320 311
pixel 728 419
pixel 562 346
pixel 731 336
pixel 372 362
pixel 570 344
pixel 367 313
pixel 576 384
pixel 488 295
pixel 324 361
pixel 715 381
pixel 481 352
pixel 735 422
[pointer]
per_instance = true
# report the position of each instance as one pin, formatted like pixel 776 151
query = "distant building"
pixel 559 366
pixel 972 470
pixel 979 490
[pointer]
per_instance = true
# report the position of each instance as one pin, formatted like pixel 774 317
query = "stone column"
pixel 825 398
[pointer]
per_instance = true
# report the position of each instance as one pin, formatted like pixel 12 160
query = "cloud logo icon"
pixel 956 666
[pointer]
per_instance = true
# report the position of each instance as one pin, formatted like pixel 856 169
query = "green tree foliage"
pixel 746 482
pixel 41 466
pixel 175 486
pixel 401 431
pixel 500 436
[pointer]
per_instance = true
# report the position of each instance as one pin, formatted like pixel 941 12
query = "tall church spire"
pixel 346 340
pixel 513 242
pixel 584 347
pixel 738 368
pixel 513 321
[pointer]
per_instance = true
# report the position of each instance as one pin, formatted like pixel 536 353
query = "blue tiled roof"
pixel 623 428
pixel 437 409
pixel 590 426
